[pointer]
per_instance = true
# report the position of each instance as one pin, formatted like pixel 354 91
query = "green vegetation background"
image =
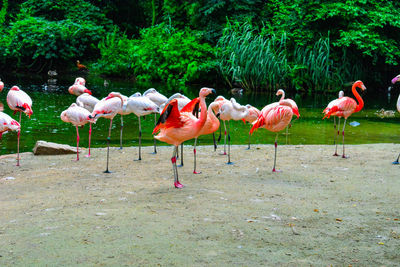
pixel 254 44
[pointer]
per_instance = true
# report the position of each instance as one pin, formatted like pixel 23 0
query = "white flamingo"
pixel 20 101
pixel 107 108
pixel 159 99
pixel 231 111
pixel 87 101
pixel 78 116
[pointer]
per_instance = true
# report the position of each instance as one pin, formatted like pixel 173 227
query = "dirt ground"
pixel 320 210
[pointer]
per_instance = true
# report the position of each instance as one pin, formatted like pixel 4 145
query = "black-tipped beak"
pixel 90 117
pixel 213 91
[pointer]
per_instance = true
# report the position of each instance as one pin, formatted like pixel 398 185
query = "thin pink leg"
pixel 194 153
pixel 19 133
pixel 77 143
pixel 90 135
pixel 276 148
pixel 177 184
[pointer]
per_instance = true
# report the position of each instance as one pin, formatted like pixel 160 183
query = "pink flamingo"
pixel 78 116
pixel 294 105
pixel 107 108
pixel 140 106
pixel 395 80
pixel 275 117
pixel 210 126
pixel 252 116
pixel 159 99
pixel 20 101
pixel 231 110
pixel 1 86
pixel 78 87
pixel 346 106
pixel 326 110
pixel 9 124
pixel 178 126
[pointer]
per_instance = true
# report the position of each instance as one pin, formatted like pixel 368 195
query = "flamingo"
pixel 251 117
pixel 182 101
pixel 275 117
pixel 140 106
pixel 158 99
pixel 78 89
pixel 107 108
pixel 347 106
pixel 87 101
pixel 231 111
pixel 326 110
pixel 176 126
pixel 1 86
pixel 9 124
pixel 78 116
pixel 20 101
pixel 395 80
pixel 210 126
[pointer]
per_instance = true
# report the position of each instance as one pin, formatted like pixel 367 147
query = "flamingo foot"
pixel 395 162
pixel 247 148
pixel 336 154
pixel 120 148
pixel 87 156
pixel 345 157
pixel 180 165
pixel 139 159
pixel 196 172
pixel 178 185
pixel 153 153
pixel 223 154
pixel 275 170
pixel 230 163
pixel 106 171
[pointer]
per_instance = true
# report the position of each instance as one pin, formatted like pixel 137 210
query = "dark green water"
pixel 50 101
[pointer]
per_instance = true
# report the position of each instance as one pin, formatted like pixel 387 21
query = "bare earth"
pixel 320 210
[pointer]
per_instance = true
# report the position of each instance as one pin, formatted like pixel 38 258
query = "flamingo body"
pixel 8 124
pixel 87 101
pixel 78 89
pixel 1 86
pixel 155 96
pixel 18 100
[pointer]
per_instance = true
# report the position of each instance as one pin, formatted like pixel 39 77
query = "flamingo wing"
pixel 193 107
pixel 170 117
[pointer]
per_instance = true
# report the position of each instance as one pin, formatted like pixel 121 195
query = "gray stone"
pixel 49 148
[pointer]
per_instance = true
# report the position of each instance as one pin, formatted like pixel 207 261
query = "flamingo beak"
pixel 213 91
pixel 296 112
pixel 395 79
pixel 88 91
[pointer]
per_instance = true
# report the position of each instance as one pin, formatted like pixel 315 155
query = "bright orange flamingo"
pixel 395 80
pixel 275 117
pixel 107 108
pixel 20 101
pixel 326 110
pixel 178 126
pixel 347 106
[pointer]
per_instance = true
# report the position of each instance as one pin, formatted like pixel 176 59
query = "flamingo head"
pixel 296 111
pixel 219 98
pixel 360 85
pixel 396 79
pixel 205 91
pixel 280 92
pixel 15 88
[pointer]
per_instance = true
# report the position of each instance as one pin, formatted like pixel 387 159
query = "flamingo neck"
pixel 282 97
pixel 360 104
pixel 211 110
pixel 203 112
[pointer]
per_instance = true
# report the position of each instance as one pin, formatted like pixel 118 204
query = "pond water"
pixel 50 98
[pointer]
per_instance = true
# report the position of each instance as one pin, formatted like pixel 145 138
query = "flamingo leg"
pixel 140 140
pixel 19 134
pixel 215 143
pixel 120 134
pixel 90 135
pixel 155 140
pixel 337 132
pixel 248 145
pixel 344 125
pixel 77 143
pixel 220 133
pixel 224 140
pixel 287 134
pixel 194 153
pixel 229 147
pixel 108 146
pixel 181 155
pixel 276 148
pixel 177 184
pixel 397 160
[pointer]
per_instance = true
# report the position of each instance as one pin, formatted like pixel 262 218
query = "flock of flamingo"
pixel 181 119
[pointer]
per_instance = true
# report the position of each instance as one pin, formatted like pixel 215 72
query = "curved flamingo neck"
pixel 210 110
pixel 203 112
pixel 360 104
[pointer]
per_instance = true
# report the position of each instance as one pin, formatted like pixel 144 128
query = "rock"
pixel 49 148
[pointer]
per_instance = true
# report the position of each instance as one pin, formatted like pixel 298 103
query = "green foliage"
pixel 38 37
pixel 162 53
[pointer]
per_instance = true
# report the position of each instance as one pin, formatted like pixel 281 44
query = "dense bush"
pixel 162 53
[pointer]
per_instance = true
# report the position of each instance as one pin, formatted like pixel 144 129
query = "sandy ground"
pixel 320 210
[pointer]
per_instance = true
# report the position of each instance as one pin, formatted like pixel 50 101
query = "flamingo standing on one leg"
pixel 275 117
pixel 8 124
pixel 107 108
pixel 346 106
pixel 140 106
pixel 294 105
pixel 182 101
pixel 158 99
pixel 178 126
pixel 395 80
pixel 326 110
pixel 251 117
pixel 78 116
pixel 78 87
pixel 20 101
pixel 231 111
